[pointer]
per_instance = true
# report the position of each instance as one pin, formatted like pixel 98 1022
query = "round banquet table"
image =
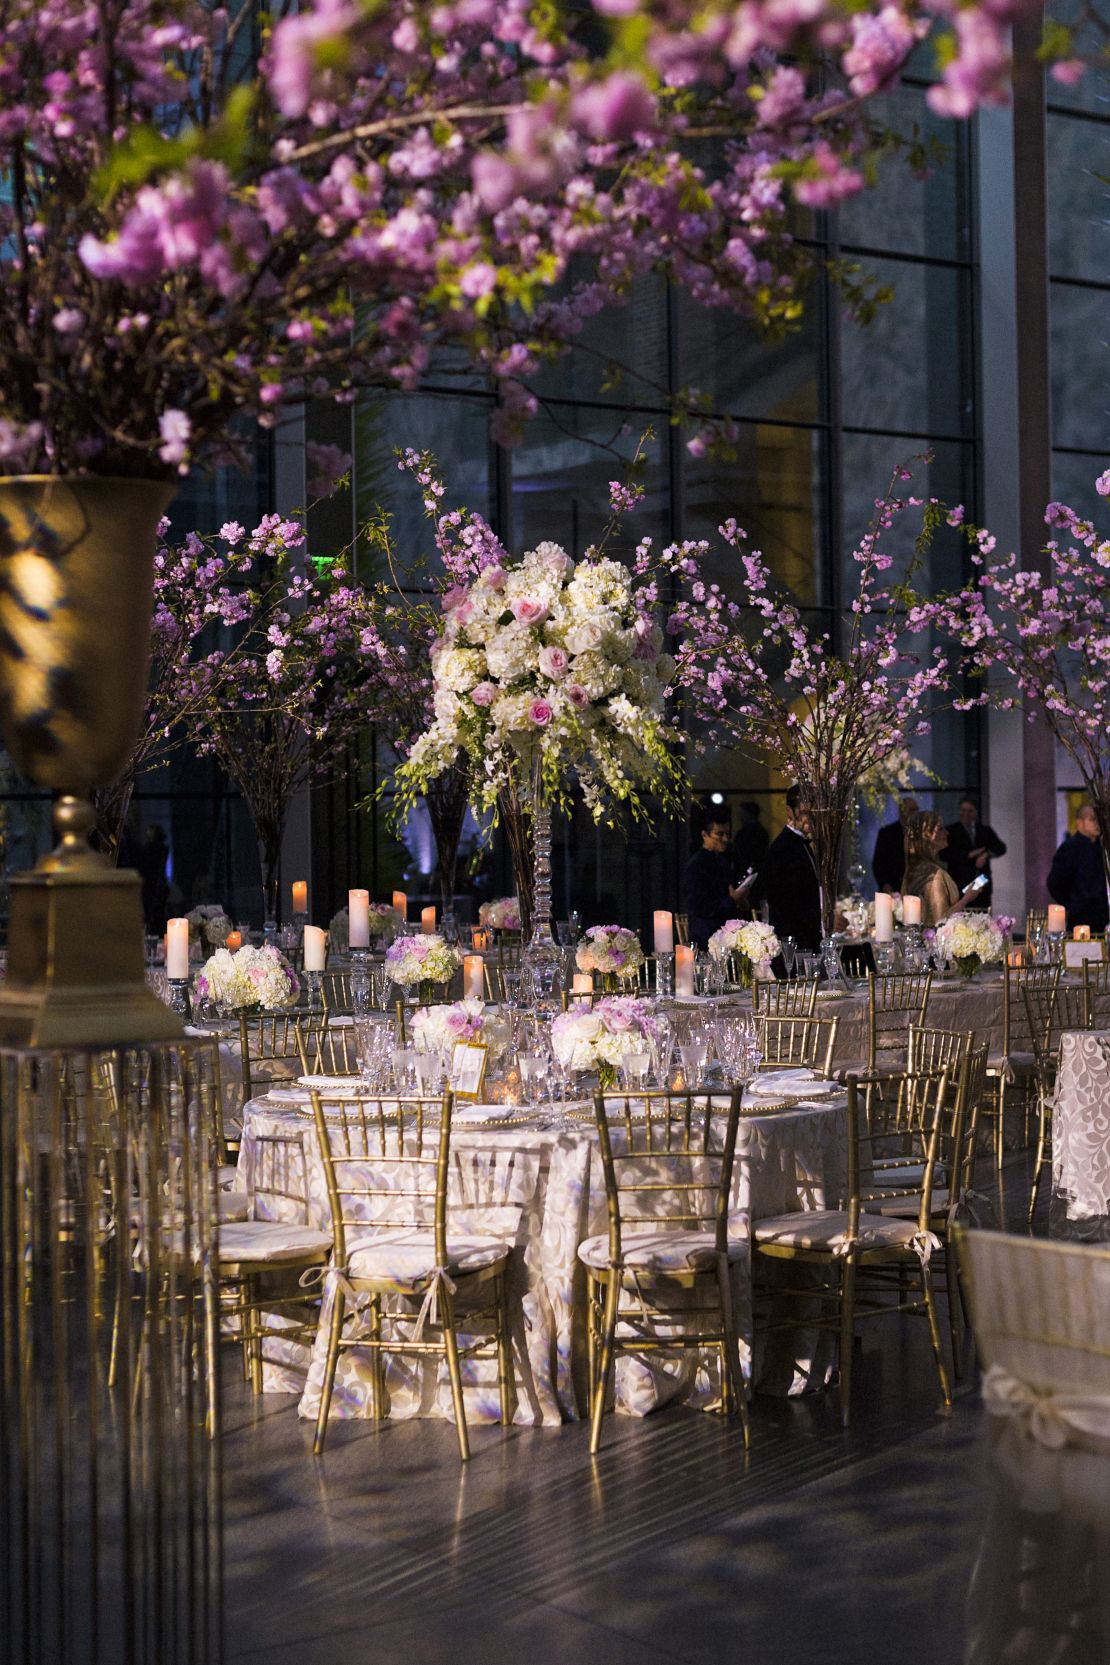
pixel 542 1188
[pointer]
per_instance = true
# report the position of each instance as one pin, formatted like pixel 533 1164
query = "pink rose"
pixel 554 662
pixel 457 1023
pixel 454 597
pixel 484 693
pixel 495 577
pixel 527 611
pixel 577 696
pixel 539 712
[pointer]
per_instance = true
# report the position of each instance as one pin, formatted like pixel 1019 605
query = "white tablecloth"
pixel 1081 1125
pixel 545 1190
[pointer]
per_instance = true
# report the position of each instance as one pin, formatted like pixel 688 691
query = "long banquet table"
pixel 542 1187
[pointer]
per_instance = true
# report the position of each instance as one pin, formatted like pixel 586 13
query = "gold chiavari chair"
pixel 667 1160
pixel 1016 1064
pixel 509 949
pixel 1096 994
pixel 335 992
pixel 1036 919
pixel 790 997
pixel 270 1047
pixel 937 1049
pixel 797 1042
pixel 387 1163
pixel 1051 1010
pixel 495 983
pixel 866 1254
pixel 329 1051
pixel 280 1239
pixel 954 1176
pixel 682 929
pixel 646 975
pixel 894 1001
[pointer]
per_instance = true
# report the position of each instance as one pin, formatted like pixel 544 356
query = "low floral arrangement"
pixel 384 922
pixel 209 925
pixel 611 950
pixel 598 1039
pixel 972 940
pixel 753 944
pixel 247 979
pixel 502 915
pixel 425 960
pixel 437 1028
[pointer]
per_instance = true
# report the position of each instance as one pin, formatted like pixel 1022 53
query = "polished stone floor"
pixel 820 1545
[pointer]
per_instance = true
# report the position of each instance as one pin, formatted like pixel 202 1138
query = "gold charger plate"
pixel 767 1106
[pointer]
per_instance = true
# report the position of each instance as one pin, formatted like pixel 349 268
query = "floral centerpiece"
pixel 612 951
pixel 209 925
pixel 753 945
pixel 502 915
pixel 385 922
pixel 598 1039
pixel 438 1028
pixel 249 979
pixel 972 940
pixel 426 960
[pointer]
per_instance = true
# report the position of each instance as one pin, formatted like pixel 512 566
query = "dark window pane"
pixel 561 474
pixel 907 214
pixel 774 487
pixel 1078 198
pixel 869 461
pixel 1080 321
pixel 1073 482
pixel 745 373
pixel 909 368
pixel 619 356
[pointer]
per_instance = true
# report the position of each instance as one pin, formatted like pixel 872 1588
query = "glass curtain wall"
pixel 822 417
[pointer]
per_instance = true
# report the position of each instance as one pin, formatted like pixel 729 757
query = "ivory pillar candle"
pixel 401 903
pixel 428 921
pixel 1082 933
pixel 313 948
pixel 884 917
pixel 177 949
pixel 234 941
pixel 474 986
pixel 300 896
pixel 1057 919
pixel 582 983
pixel 911 910
pixel 358 918
pixel 664 932
pixel 683 970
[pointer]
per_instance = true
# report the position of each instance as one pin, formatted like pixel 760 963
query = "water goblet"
pixel 788 948
pixel 429 1071
pixel 634 1067
pixel 692 1054
pixel 403 1059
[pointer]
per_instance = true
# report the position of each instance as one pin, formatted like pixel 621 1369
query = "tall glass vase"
pixel 542 959
pixel 269 855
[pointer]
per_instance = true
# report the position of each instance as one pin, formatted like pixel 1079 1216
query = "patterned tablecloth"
pixel 543 1187
pixel 1081 1126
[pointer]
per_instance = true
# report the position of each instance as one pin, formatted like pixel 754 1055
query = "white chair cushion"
pixel 827 1229
pixel 908 1207
pixel 233 1206
pixel 271 1241
pixel 655 1249
pixel 407 1257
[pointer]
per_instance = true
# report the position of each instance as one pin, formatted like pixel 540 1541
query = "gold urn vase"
pixel 76 597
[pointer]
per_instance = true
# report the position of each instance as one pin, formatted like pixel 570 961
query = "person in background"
pixel 1077 877
pixel 926 837
pixel 752 841
pixel 971 844
pixel 889 860
pixel 711 897
pixel 788 880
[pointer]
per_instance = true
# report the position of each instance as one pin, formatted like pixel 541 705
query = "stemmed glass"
pixel 634 1067
pixel 788 948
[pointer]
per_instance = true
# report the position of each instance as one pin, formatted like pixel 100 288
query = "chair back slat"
pixel 933 1049
pixel 802 1042
pixel 895 999
pixel 787 997
pixel 270 1045
pixel 1040 1310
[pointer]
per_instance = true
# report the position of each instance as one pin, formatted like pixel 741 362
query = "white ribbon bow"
pixel 1052 1419
pixel 922 1242
pixel 429 1309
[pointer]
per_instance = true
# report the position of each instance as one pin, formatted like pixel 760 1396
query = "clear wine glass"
pixel 634 1068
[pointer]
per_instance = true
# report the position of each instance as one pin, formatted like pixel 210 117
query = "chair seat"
pixel 406 1259
pixel 654 1249
pixel 1021 1064
pixel 907 1208
pixel 271 1241
pixel 826 1230
pixel 233 1206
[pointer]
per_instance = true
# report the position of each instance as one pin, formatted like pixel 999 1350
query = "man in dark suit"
pixel 889 861
pixel 1078 877
pixel 788 880
pixel 971 844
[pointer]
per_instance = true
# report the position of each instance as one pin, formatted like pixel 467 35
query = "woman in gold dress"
pixel 926 836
